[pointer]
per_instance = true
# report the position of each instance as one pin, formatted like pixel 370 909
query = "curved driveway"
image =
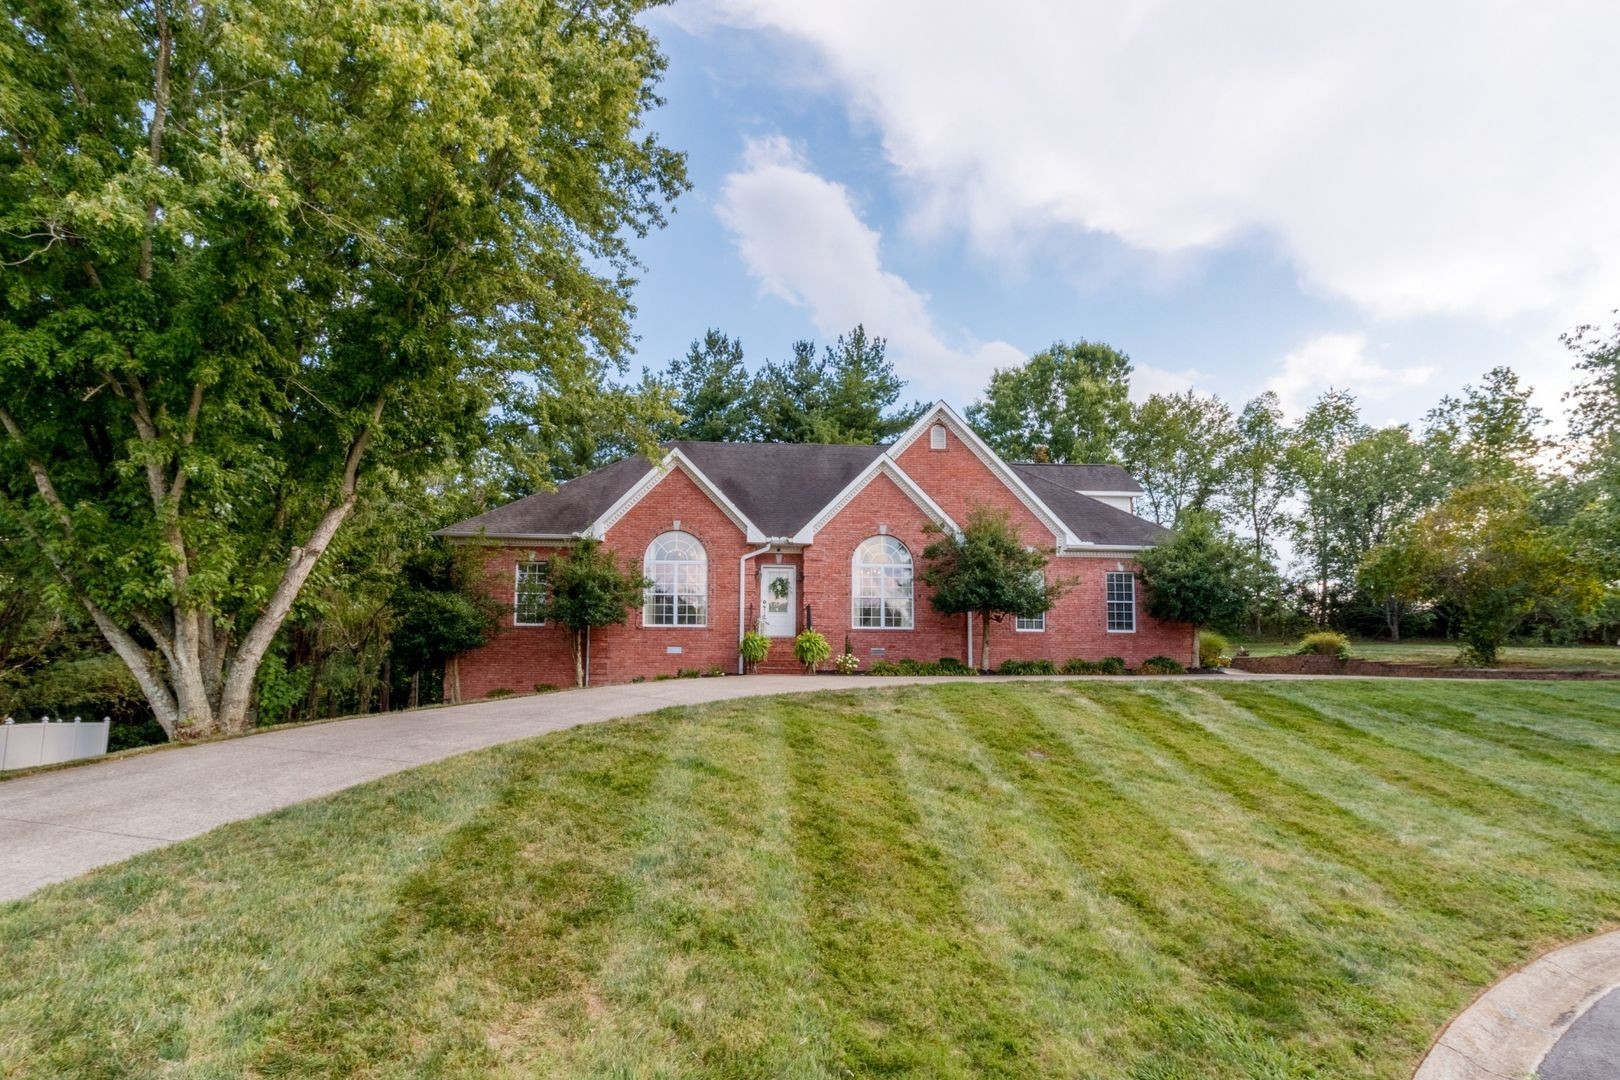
pixel 59 824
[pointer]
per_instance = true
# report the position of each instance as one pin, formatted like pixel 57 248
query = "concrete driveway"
pixel 57 825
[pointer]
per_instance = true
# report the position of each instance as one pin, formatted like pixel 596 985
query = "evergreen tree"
pixel 712 392
pixel 848 394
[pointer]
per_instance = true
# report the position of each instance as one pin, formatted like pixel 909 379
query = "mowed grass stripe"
pixel 1503 815
pixel 904 978
pixel 709 966
pixel 1573 710
pixel 1110 999
pixel 183 954
pixel 1249 963
pixel 1407 721
pixel 490 945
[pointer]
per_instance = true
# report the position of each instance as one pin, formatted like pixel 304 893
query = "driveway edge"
pixel 1508 1030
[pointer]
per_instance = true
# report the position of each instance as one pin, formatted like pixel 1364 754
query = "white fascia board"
pixel 942 412
pixel 881 465
pixel 675 459
pixel 1092 549
pixel 506 538
pixel 1114 494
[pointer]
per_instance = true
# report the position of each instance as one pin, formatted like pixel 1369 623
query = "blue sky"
pixel 1259 197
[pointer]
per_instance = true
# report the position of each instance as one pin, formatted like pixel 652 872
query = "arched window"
pixel 883 599
pixel 679 571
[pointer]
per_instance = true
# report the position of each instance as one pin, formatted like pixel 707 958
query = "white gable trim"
pixel 881 465
pixel 943 413
pixel 640 489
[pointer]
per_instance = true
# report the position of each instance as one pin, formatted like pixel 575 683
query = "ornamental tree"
pixel 1197 575
pixel 988 570
pixel 254 252
pixel 587 589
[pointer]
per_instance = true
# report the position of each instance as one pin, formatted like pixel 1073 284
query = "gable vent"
pixel 936 437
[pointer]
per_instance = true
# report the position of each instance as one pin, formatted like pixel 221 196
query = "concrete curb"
pixel 1509 1028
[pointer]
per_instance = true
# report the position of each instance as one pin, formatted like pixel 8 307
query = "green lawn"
pixel 1600 657
pixel 1105 878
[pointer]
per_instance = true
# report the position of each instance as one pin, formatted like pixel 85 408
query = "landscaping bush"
pixel 1108 665
pixel 883 667
pixel 753 649
pixel 810 648
pixel 501 691
pixel 944 666
pixel 1027 667
pixel 846 663
pixel 1213 649
pixel 1161 665
pixel 950 665
pixel 1324 643
pixel 544 687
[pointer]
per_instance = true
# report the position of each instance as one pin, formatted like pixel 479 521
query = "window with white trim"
pixel 1038 623
pixel 882 588
pixel 1122 603
pixel 678 568
pixel 529 593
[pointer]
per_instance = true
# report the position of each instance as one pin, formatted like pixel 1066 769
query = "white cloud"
pixel 1436 157
pixel 1340 361
pixel 802 237
pixel 1147 380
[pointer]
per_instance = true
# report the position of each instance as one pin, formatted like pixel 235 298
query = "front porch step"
pixel 775 665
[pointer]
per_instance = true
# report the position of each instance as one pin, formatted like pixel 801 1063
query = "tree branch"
pixel 160 112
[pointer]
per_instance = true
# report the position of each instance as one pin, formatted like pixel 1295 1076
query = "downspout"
pixel 970 638
pixel 742 602
pixel 587 656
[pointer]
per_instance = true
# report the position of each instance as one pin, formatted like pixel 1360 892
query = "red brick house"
pixel 739 536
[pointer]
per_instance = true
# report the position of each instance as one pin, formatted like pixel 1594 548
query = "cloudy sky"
pixel 1389 197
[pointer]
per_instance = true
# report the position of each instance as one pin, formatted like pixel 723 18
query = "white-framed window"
pixel 882 587
pixel 936 437
pixel 679 570
pixel 529 593
pixel 1038 623
pixel 1121 603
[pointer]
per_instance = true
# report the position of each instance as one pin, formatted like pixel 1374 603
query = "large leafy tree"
pixel 1176 445
pixel 1317 467
pixel 254 249
pixel 987 570
pixel 1068 403
pixel 1491 432
pixel 1485 553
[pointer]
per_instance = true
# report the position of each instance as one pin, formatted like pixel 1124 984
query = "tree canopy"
pixel 1197 575
pixel 255 251
pixel 988 570
pixel 1067 403
pixel 586 589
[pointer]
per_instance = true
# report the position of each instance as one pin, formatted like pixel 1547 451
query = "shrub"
pixel 950 665
pixel 688 673
pixel 846 663
pixel 716 672
pixel 500 691
pixel 1110 665
pixel 544 687
pixel 1213 649
pixel 1161 665
pixel 1324 643
pixel 883 667
pixel 810 648
pixel 1026 667
pixel 754 648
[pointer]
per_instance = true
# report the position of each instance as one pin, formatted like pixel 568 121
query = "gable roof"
pixel 779 490
pixel 1093 521
pixel 1090 479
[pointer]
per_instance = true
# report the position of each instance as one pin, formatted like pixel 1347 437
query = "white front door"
pixel 776 609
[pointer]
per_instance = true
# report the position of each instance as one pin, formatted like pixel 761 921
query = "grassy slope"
pixel 1097 878
pixel 1599 657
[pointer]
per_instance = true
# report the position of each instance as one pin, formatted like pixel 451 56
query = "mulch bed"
pixel 1328 665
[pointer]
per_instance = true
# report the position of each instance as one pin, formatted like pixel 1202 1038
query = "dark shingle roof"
pixel 781 486
pixel 568 510
pixel 1081 477
pixel 1092 520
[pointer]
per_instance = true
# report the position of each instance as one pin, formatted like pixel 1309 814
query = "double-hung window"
pixel 1038 623
pixel 1121 603
pixel 529 593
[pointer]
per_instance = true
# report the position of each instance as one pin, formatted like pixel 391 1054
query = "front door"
pixel 776 588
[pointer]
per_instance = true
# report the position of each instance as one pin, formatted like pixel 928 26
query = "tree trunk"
pixel 1392 616
pixel 984 642
pixel 579 657
pixel 416 688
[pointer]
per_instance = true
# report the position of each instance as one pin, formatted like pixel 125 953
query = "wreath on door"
pixel 779 588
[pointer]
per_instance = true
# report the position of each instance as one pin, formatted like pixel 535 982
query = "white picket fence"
pixel 23 746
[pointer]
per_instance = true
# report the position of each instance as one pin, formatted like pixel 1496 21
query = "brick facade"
pixel 516 658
